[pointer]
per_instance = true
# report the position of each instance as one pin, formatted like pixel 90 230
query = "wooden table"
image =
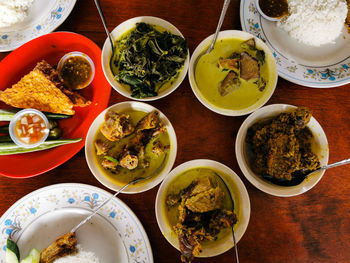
pixel 312 227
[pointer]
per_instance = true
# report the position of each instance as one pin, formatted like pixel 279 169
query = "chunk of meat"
pixel 249 44
pixel 116 126
pixel 108 164
pixel 101 147
pixel 206 201
pixel 230 83
pixel 62 246
pixel 228 64
pixel 150 121
pixel 249 67
pixel 129 160
pixel 202 185
pixel 159 148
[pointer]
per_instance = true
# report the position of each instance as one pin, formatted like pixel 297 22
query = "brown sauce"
pixel 274 8
pixel 76 72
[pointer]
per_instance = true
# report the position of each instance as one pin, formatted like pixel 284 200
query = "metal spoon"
pixel 97 3
pixel 299 176
pixel 233 206
pixel 74 229
pixel 221 20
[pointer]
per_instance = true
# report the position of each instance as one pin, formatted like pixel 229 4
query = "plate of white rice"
pixel 23 20
pixel 113 235
pixel 311 45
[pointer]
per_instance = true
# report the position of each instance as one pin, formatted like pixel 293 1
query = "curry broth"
pixel 184 179
pixel 208 77
pixel 124 175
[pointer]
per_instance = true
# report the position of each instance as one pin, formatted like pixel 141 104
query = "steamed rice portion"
pixel 315 22
pixel 13 11
pixel 80 257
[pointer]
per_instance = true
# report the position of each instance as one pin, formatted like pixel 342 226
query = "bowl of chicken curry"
pixel 237 77
pixel 194 209
pixel 131 140
pixel 278 146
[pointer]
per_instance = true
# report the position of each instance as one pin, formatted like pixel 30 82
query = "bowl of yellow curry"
pixel 278 145
pixel 237 77
pixel 194 209
pixel 130 140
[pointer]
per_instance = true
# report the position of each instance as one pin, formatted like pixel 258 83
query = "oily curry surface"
pixel 234 75
pixel 153 152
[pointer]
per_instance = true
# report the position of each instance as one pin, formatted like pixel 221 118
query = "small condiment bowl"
pixel 77 54
pixel 117 33
pixel 17 117
pixel 202 47
pixel 273 19
pixel 243 156
pixel 239 195
pixel 99 172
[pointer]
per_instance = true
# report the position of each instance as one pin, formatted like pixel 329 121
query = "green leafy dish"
pixel 147 59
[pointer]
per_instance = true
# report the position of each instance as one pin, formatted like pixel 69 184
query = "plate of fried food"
pixel 40 75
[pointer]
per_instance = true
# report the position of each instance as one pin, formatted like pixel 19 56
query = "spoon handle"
pixel 346 161
pixel 97 3
pixel 221 20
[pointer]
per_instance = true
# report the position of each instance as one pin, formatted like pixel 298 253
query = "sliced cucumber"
pixel 28 259
pixel 12 249
pixel 35 254
pixel 11 257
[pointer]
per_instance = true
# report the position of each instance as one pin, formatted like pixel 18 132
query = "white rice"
pixel 13 11
pixel 80 257
pixel 315 22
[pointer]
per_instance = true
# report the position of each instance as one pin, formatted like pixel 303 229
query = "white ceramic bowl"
pixel 241 202
pixel 263 14
pixel 265 186
pixel 244 36
pixel 99 173
pixel 117 33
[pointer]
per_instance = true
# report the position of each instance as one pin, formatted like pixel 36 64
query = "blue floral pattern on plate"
pixel 20 215
pixel 325 76
pixel 43 23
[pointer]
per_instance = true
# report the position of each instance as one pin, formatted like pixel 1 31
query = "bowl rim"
pixel 223 35
pixel 120 30
pixel 263 185
pixel 245 209
pixel 98 173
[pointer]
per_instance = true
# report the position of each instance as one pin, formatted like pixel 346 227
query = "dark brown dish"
pixel 281 148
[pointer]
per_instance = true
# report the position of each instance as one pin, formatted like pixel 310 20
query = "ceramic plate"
pixel 20 62
pixel 319 67
pixel 37 219
pixel 44 16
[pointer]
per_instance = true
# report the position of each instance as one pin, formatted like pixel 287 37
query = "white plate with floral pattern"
pixel 44 16
pixel 38 218
pixel 319 67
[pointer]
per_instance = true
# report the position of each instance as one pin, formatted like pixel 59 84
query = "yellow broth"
pixel 184 179
pixel 208 77
pixel 124 176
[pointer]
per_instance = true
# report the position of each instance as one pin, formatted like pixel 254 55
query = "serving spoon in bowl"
pixel 299 176
pixel 97 3
pixel 233 207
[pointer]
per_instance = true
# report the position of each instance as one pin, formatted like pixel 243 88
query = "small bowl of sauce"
pixel 29 128
pixel 76 69
pixel 272 10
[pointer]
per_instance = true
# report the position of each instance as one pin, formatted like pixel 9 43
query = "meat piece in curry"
pixel 116 126
pixel 201 215
pixel 282 146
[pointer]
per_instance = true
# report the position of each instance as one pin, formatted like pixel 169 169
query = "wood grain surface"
pixel 312 227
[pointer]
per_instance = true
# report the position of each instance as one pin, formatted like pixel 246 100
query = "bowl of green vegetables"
pixel 149 58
